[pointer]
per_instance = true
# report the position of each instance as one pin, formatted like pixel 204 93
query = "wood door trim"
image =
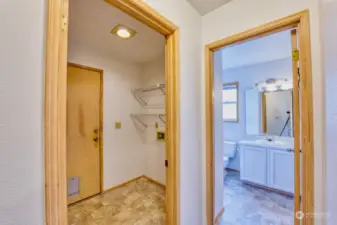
pixel 101 98
pixel 55 105
pixel 145 14
pixel 101 71
pixel 300 20
pixel 296 127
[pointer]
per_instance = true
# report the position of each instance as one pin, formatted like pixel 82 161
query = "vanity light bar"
pixel 272 85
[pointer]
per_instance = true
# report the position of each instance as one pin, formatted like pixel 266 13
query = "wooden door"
pixel 83 132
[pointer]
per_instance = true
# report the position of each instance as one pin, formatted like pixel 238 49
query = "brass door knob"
pixel 95 136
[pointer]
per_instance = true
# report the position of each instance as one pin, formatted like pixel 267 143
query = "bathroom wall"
pixel 247 76
pixel 155 152
pixel 123 149
pixel 218 138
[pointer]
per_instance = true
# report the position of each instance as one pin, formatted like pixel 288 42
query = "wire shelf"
pixel 138 94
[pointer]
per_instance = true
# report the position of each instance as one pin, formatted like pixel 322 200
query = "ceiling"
pixel 266 49
pixel 206 6
pixel 90 23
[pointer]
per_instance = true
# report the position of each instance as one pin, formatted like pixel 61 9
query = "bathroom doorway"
pixel 259 125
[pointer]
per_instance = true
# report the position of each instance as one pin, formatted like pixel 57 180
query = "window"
pixel 230 102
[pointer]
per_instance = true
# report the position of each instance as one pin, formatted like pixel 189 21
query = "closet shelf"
pixel 141 118
pixel 138 94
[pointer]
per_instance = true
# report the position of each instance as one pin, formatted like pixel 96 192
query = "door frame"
pixel 100 134
pixel 55 105
pixel 301 21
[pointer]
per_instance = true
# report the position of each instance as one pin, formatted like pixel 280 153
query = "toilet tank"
pixel 229 148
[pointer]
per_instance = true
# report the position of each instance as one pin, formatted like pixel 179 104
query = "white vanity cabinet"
pixel 281 170
pixel 270 167
pixel 253 163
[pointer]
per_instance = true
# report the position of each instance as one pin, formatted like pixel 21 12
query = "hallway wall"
pixel 22 68
pixel 329 37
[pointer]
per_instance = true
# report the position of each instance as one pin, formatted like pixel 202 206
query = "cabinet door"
pixel 281 170
pixel 254 164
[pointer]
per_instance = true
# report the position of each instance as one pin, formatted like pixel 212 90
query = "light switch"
pixel 118 125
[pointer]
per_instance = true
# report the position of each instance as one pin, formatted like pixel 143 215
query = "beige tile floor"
pixel 249 205
pixel 140 202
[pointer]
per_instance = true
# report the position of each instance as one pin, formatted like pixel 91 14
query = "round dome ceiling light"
pixel 123 32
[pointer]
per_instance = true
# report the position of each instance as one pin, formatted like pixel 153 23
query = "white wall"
pixel 329 9
pixel 123 149
pixel 22 59
pixel 257 51
pixel 240 15
pixel 155 152
pixel 189 22
pixel 21 112
pixel 247 76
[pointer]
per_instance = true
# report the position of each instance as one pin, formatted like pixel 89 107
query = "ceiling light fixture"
pixel 123 32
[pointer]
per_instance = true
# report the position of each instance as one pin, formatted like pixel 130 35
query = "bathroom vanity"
pixel 268 163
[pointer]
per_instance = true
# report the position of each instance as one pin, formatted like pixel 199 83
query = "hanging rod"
pixel 137 93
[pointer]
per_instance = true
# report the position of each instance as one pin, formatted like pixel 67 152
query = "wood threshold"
pixel 218 216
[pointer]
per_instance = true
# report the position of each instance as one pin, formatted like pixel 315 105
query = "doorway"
pixel 303 172
pixel 55 101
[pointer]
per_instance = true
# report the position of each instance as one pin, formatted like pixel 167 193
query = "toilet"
pixel 229 150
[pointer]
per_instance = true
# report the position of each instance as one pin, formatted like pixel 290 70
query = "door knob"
pixel 95 137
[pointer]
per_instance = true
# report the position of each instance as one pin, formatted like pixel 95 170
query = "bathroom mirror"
pixel 269 113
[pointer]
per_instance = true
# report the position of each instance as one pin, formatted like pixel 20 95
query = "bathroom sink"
pixel 267 142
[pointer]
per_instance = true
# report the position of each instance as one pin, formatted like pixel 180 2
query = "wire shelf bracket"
pixel 139 118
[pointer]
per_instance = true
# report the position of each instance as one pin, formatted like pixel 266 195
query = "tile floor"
pixel 138 203
pixel 248 205
pixel 143 203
